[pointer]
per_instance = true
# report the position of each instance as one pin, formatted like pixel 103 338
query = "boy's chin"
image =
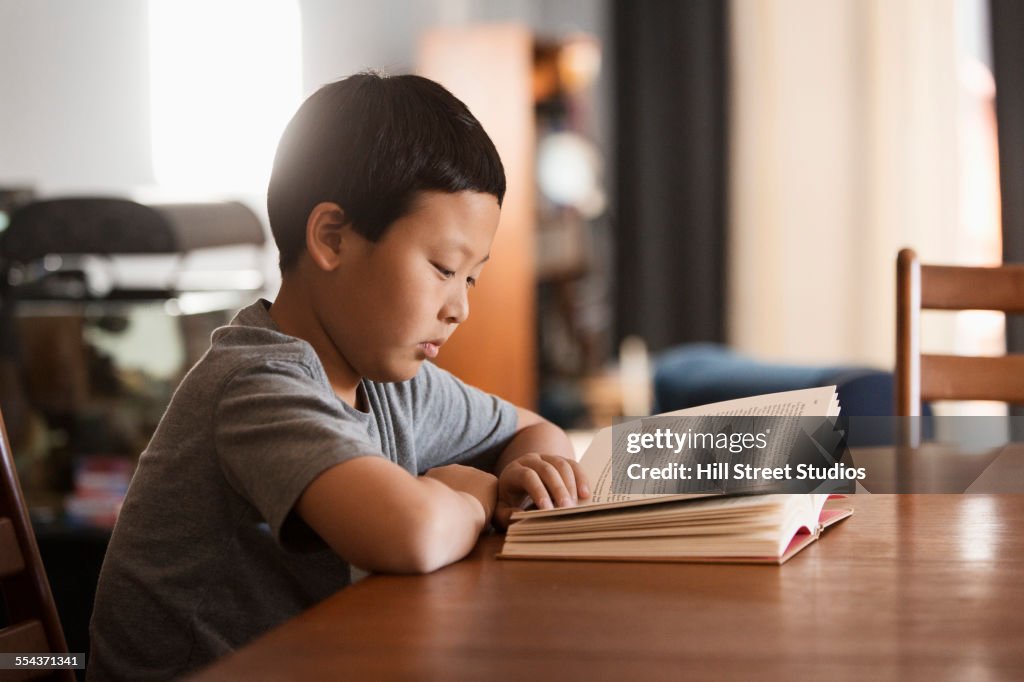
pixel 396 372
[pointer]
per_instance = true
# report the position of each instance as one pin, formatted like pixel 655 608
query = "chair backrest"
pixel 31 616
pixel 953 377
pixel 109 226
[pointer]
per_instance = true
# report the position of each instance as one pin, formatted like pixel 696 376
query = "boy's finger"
pixel 552 479
pixel 566 471
pixel 503 514
pixel 530 482
pixel 582 483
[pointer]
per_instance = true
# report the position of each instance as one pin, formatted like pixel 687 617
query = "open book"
pixel 681 527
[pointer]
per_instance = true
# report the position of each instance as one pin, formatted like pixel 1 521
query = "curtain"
pixel 842 142
pixel 1008 61
pixel 670 82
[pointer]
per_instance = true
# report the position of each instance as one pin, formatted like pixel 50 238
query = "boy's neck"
pixel 293 316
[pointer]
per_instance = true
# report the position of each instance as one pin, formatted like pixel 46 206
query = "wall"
pixel 75 89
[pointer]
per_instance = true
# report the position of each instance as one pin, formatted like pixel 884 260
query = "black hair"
pixel 370 143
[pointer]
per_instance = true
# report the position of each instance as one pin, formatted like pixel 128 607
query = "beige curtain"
pixel 843 150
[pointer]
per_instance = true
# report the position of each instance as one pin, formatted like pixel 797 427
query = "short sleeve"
pixel 456 423
pixel 276 429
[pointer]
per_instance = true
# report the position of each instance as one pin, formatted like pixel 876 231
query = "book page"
pixel 807 402
pixel 596 461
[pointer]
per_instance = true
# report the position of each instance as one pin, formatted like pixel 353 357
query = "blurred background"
pixel 692 185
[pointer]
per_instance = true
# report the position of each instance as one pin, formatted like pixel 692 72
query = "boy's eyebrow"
pixel 464 248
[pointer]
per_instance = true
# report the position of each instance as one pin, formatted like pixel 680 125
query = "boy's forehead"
pixel 461 222
pixel 455 244
pixel 449 243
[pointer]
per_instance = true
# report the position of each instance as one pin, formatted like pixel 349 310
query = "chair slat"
pixel 11 560
pixel 28 637
pixel 949 377
pixel 958 377
pixel 948 287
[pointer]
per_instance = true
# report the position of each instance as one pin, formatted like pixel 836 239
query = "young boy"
pixel 312 435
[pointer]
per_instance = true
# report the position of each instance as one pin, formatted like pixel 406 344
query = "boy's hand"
pixel 546 480
pixel 480 484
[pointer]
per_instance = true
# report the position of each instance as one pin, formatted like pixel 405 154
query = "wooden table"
pixel 911 586
pixel 943 468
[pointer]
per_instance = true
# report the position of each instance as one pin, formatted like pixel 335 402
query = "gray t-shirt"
pixel 207 552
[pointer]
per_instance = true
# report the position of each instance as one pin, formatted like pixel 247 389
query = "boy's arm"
pixel 377 516
pixel 537 465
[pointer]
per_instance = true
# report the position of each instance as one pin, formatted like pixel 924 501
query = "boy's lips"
pixel 431 348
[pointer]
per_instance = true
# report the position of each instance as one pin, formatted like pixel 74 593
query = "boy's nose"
pixel 456 308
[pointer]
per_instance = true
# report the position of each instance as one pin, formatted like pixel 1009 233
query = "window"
pixel 225 79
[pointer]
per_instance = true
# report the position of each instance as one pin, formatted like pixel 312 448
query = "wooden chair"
pixel 32 622
pixel 953 377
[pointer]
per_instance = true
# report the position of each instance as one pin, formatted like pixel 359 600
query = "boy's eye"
pixel 448 274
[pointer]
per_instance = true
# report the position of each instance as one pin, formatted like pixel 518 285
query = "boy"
pixel 312 435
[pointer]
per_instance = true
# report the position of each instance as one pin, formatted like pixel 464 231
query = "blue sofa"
pixel 701 373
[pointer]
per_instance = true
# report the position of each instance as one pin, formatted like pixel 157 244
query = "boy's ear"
pixel 326 229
